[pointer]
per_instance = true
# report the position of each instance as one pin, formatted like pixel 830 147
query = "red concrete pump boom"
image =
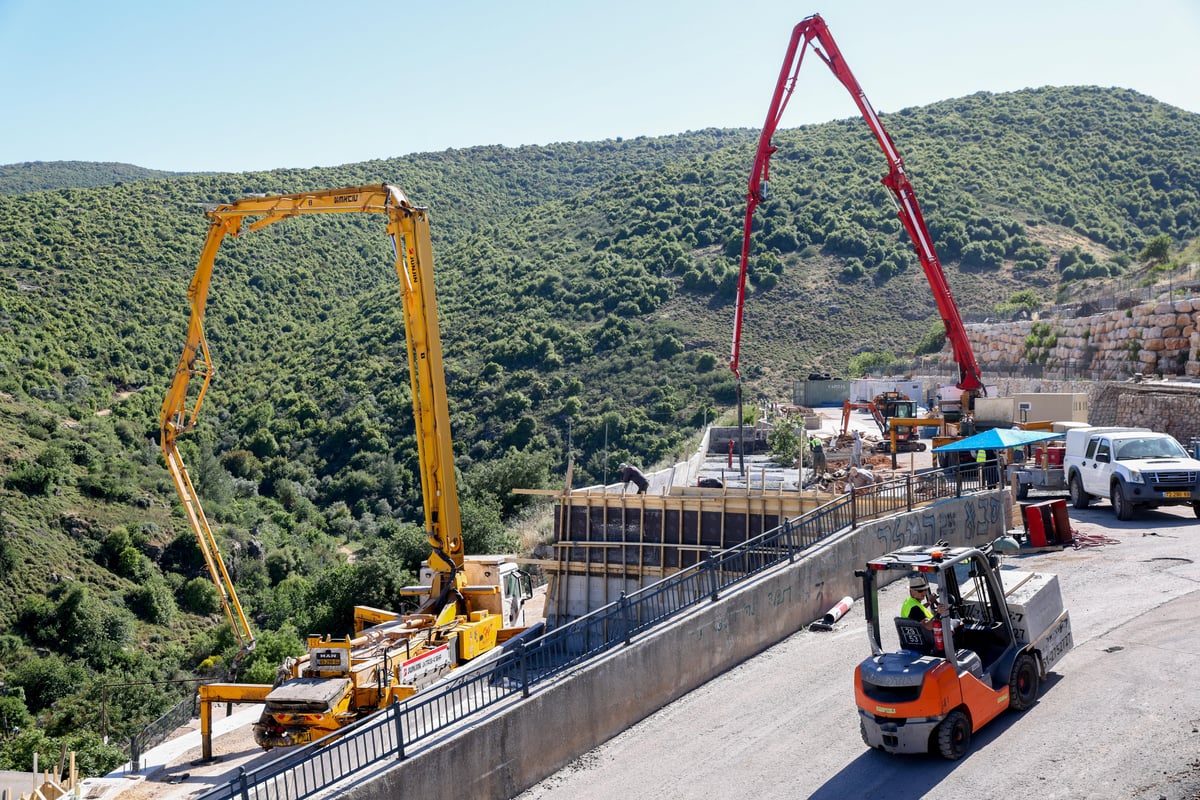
pixel 813 31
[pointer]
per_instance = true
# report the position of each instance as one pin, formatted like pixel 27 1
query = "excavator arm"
pixel 408 228
pixel 812 32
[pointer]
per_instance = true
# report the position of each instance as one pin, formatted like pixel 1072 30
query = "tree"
pixel 152 601
pixel 373 581
pixel 1157 250
pixel 92 629
pixel 516 469
pixel 784 441
pixel 933 341
pixel 14 716
pixel 8 558
pixel 45 679
pixel 200 596
pixel 92 756
pixel 270 650
pixel 863 363
pixel 483 526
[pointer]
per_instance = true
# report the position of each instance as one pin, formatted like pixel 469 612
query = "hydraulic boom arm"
pixel 408 228
pixel 813 31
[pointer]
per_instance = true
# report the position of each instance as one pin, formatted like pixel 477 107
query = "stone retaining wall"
pixel 1154 337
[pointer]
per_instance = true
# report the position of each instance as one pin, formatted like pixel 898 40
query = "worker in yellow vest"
pixel 916 605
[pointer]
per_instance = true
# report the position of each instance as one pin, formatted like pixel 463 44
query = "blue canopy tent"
pixel 997 439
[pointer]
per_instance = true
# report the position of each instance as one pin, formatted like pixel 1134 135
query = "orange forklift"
pixel 993 638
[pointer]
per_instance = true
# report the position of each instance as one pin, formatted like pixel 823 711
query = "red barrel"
pixel 1054 455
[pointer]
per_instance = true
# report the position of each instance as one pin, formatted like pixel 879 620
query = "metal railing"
pixel 158 731
pixel 390 733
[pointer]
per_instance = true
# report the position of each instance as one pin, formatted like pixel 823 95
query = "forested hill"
pixel 35 176
pixel 585 295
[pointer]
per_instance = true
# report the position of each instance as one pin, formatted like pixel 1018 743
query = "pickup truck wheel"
pixel 1121 505
pixel 1022 490
pixel 1023 685
pixel 954 736
pixel 1079 498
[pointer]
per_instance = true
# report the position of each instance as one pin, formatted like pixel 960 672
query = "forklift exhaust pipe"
pixel 833 615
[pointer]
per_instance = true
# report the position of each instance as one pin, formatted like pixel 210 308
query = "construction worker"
pixel 856 450
pixel 980 459
pixel 631 473
pixel 916 605
pixel 818 454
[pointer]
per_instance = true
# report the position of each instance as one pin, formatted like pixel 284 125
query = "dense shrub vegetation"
pixel 585 297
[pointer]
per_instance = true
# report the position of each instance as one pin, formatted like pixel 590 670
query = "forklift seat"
pixel 968 661
pixel 914 636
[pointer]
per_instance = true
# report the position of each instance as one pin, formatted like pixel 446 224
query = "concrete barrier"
pixel 506 752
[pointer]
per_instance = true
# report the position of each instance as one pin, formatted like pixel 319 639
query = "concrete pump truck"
pixel 991 637
pixel 470 603
pixel 812 32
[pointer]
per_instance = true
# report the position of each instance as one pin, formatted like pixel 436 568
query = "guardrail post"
pixel 243 783
pixel 788 530
pixel 623 605
pixel 853 508
pixel 711 567
pixel 908 490
pixel 395 711
pixel 524 669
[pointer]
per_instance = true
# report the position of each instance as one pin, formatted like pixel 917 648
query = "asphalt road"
pixel 1118 718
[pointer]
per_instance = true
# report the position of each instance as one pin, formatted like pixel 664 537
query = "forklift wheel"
pixel 1023 685
pixel 954 736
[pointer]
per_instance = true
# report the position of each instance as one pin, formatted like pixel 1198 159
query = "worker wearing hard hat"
pixel 916 605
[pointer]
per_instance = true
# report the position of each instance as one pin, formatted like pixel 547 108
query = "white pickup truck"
pixel 1132 467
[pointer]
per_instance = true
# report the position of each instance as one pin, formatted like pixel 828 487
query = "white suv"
pixel 1132 467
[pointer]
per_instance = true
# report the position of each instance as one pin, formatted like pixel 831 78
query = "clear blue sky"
pixel 239 86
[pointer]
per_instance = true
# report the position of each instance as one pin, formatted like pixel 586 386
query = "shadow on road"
pixel 1145 520
pixel 876 774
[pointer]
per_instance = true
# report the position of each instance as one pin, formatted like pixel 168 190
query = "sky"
pixel 184 85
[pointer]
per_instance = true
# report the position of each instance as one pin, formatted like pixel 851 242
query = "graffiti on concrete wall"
pixel 977 518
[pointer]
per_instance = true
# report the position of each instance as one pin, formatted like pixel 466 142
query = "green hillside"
pixel 585 293
pixel 36 176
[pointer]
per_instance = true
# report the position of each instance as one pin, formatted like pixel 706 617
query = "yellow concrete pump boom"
pixel 408 227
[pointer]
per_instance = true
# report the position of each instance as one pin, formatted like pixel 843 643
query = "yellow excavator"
pixel 391 655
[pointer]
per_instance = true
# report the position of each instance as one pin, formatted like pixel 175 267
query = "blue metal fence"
pixel 392 731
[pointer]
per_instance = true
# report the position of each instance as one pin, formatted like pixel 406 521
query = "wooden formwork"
pixel 606 543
